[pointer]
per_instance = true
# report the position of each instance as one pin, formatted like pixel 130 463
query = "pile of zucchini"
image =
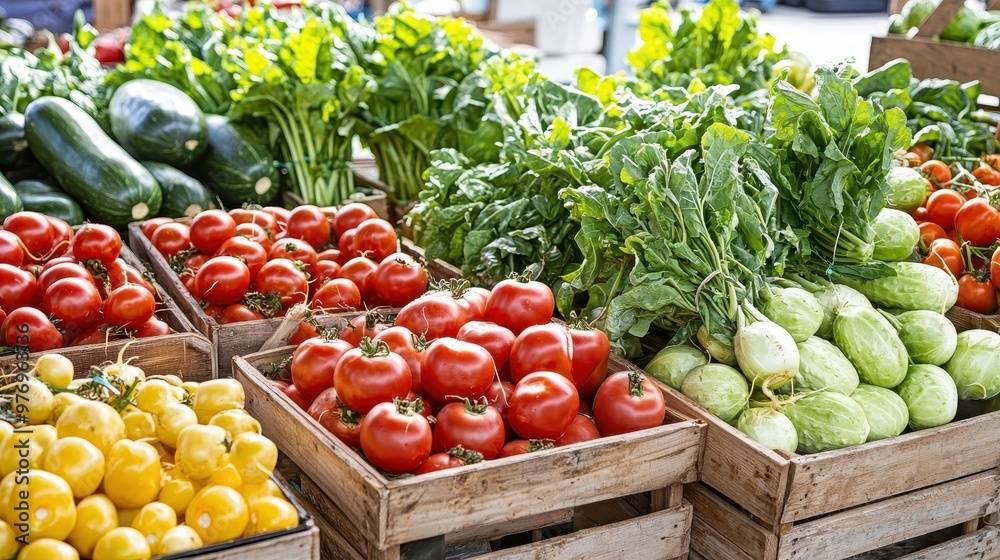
pixel 162 157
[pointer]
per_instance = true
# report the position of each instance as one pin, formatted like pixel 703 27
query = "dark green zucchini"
pixel 157 122
pixel 9 201
pixel 111 186
pixel 12 142
pixel 237 165
pixel 46 199
pixel 183 195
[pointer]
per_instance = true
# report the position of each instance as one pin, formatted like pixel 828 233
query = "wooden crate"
pixel 416 516
pixel 112 14
pixel 234 339
pixel 965 320
pixel 931 58
pixel 791 499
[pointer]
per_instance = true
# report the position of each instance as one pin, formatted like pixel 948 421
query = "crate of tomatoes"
pixel 235 274
pixel 472 415
pixel 145 455
pixel 63 287
pixel 954 204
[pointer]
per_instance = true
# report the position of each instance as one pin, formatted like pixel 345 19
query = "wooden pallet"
pixel 931 58
pixel 417 517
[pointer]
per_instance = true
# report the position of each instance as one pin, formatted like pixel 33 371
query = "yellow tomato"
pixel 254 456
pixel 201 450
pixel 226 476
pixel 54 369
pixel 60 402
pixel 253 492
pixel 123 543
pixel 153 521
pixel 48 549
pixel 32 401
pixel 127 515
pixel 132 474
pixel 78 462
pixel 271 514
pixel 41 505
pixel 236 421
pixel 179 539
pixel 95 516
pixel 25 448
pixel 217 514
pixel 8 542
pixel 212 397
pixel 177 489
pixel 5 429
pixel 154 395
pixel 172 380
pixel 93 421
pixel 139 425
pixel 172 420
pixel 190 387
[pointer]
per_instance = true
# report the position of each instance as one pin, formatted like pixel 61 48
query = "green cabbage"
pixel 796 310
pixel 870 342
pixel 823 366
pixel 718 388
pixel 769 428
pixel 833 298
pixel 673 363
pixel 975 365
pixel 930 395
pixel 907 188
pixel 929 337
pixel 766 353
pixel 914 286
pixel 896 235
pixel 885 411
pixel 827 420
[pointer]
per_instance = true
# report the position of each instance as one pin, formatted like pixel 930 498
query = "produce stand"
pixel 591 483
pixel 931 58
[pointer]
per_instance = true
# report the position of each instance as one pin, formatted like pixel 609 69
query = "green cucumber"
pixel 183 195
pixel 9 201
pixel 111 186
pixel 158 122
pixel 12 142
pixel 237 165
pixel 46 199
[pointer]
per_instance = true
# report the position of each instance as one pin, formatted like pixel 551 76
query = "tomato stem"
pixel 635 387
pixel 540 445
pixel 373 348
pixel 466 456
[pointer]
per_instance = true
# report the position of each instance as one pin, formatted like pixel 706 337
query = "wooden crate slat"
pixel 722 522
pixel 939 18
pixel 984 543
pixel 882 523
pixel 939 59
pixel 965 320
pixel 658 535
pixel 712 544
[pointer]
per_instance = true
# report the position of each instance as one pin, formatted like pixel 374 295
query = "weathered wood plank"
pixel 984 543
pixel 939 59
pixel 726 522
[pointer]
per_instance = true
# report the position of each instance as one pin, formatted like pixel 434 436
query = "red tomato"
pixel 919 215
pixel 628 402
pixel 370 374
pixel 35 232
pixel 986 175
pixel 978 222
pixel 98 242
pixel 171 238
pixel 477 427
pixel 976 296
pixel 238 313
pixel 223 280
pixel 250 252
pixel 282 277
pixel 296 397
pixel 61 271
pixel 280 215
pixel 498 396
pixel 337 295
pixel 395 438
pixel 937 172
pixel 398 280
pixel 107 50
pixel 264 220
pixel 495 339
pixel 342 422
pixel 214 311
pixel 10 249
pixel 375 239
pixel 410 347
pixel 995 268
pixel 73 302
pixel 522 446
pixel 360 270
pixel 591 350
pixel 97 334
pixel 17 288
pixel 929 232
pixel 303 332
pixel 451 369
pixel 345 244
pixel 121 273
pixel 149 226
pixel 295 250
pixel 314 363
pixel 582 429
pixel 188 279
pixel 547 347
pixel 369 324
pixel 153 327
pixel 350 216
pixel 475 303
pixel 942 206
pixel 325 271
pixel 519 305
pixel 946 255
pixel 309 224
pixel 58 260
pixel 922 151
pixel 456 457
pixel 210 229
pixel 433 317
pixel 62 237
pixel 194 263
pixel 543 405
pixel 254 232
pixel 329 255
pixel 129 306
pixel 30 327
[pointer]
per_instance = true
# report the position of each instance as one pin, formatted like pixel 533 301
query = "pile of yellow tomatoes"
pixel 120 467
